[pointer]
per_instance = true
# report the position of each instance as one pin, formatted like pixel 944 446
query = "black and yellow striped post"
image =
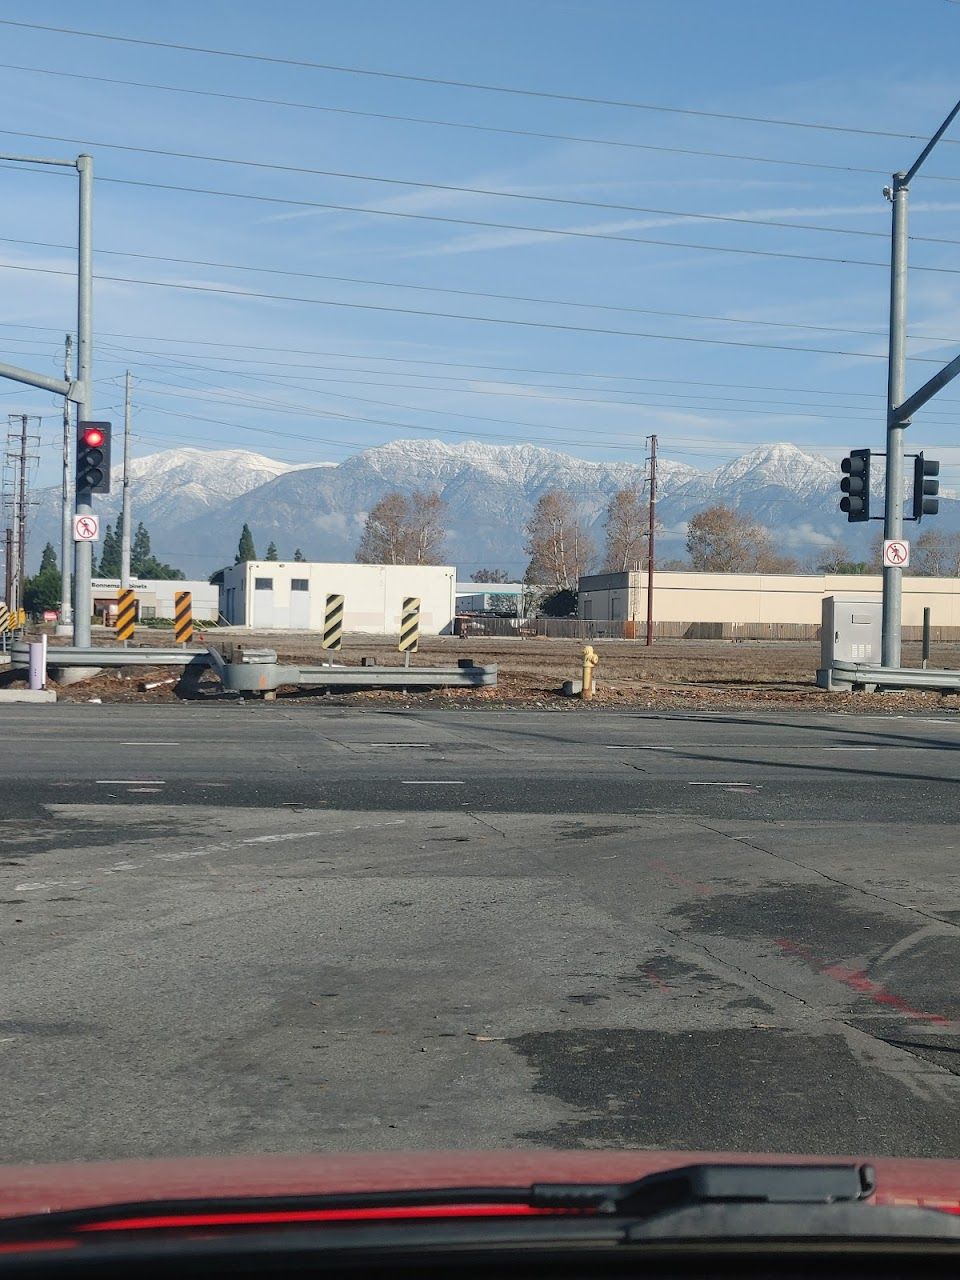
pixel 4 619
pixel 183 617
pixel 126 614
pixel 410 625
pixel 333 623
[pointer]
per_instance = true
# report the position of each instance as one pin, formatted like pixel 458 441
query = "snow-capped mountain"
pixel 195 502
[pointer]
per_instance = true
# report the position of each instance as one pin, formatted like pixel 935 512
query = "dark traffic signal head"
pixel 856 485
pixel 925 489
pixel 93 458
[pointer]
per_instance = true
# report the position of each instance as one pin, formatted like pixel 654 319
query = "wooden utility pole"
pixel 650 536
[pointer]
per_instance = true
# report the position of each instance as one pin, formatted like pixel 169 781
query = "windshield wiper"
pixel 696 1202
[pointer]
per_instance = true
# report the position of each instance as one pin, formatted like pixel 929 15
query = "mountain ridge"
pixel 195 502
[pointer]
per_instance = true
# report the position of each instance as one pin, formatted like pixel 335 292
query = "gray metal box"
pixel 850 632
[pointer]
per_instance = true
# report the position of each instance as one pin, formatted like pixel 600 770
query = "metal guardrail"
pixel 68 656
pixel 843 676
pixel 258 671
pixel 265 677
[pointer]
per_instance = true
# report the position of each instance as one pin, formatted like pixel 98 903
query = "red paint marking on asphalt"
pixel 857 980
pixel 682 882
pixel 657 982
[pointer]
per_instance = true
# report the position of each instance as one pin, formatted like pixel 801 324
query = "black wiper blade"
pixel 703 1184
pixel 688 1187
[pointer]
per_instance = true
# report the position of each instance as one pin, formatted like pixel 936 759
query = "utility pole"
pixel 15 499
pixel 650 536
pixel 899 410
pixel 125 511
pixel 8 569
pixel 79 390
pixel 66 530
pixel 22 510
pixel 83 551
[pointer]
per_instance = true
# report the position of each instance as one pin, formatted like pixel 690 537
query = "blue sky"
pixel 302 381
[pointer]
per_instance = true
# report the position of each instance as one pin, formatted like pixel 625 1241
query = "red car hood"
pixel 42 1188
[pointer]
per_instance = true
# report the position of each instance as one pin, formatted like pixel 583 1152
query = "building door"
pixel 300 604
pixel 262 603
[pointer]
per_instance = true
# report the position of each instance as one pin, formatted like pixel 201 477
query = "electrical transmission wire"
pixel 458 84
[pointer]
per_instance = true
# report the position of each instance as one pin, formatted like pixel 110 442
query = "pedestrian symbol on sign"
pixel 896 553
pixel 86 528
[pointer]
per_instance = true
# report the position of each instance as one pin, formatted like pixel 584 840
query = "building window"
pixel 300 584
pixel 263 584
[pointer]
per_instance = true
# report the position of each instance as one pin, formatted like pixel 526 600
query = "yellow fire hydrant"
pixel 590 660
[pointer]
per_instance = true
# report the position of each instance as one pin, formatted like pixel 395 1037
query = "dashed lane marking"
pixel 130 782
pixel 206 851
pixel 431 782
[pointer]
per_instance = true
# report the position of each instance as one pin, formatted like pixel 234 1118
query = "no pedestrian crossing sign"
pixel 86 528
pixel 896 553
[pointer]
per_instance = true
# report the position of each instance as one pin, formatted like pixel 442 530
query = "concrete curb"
pixel 27 695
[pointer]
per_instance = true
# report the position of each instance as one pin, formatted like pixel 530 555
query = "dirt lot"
pixel 708 675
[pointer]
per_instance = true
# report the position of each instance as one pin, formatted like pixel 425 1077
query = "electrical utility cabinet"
pixel 851 631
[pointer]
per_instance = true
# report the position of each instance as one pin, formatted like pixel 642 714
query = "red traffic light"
pixel 93 437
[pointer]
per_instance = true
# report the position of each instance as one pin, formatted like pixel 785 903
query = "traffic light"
pixel 93 458
pixel 925 489
pixel 856 485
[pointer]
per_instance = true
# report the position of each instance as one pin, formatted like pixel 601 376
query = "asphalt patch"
pixel 728 1090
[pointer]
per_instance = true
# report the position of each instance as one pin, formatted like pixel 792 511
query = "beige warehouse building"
pixel 752 603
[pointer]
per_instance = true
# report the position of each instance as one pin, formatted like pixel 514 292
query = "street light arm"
pixel 903 412
pixel 930 145
pixel 59 386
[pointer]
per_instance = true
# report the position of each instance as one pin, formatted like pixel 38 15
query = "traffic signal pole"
pixel 77 390
pixel 896 379
pixel 899 408
pixel 83 551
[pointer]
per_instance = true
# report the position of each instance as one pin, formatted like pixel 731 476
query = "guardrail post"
pixel 925 648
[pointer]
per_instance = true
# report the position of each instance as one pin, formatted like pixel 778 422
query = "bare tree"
pixel 489 575
pixel 404 531
pixel 426 530
pixel 721 540
pixel 384 539
pixel 627 529
pixel 560 549
pixel 936 555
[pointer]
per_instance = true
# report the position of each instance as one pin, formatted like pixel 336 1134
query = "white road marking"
pixel 850 748
pixel 431 782
pixel 394 744
pixel 630 746
pixel 723 784
pixel 130 782
pixel 203 852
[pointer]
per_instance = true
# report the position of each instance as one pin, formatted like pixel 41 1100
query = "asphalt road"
pixel 275 927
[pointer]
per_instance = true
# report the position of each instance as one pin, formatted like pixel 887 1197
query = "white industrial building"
pixel 490 597
pixel 155 597
pixel 291 595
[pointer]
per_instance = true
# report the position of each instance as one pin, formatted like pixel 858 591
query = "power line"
pixel 485 224
pixel 765 412
pixel 453 315
pixel 457 84
pixel 462 124
pixel 737 404
pixel 457 364
pixel 461 190
pixel 496 226
pixel 471 293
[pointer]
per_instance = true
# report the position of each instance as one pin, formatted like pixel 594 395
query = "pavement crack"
pixel 824 875
pixel 484 822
